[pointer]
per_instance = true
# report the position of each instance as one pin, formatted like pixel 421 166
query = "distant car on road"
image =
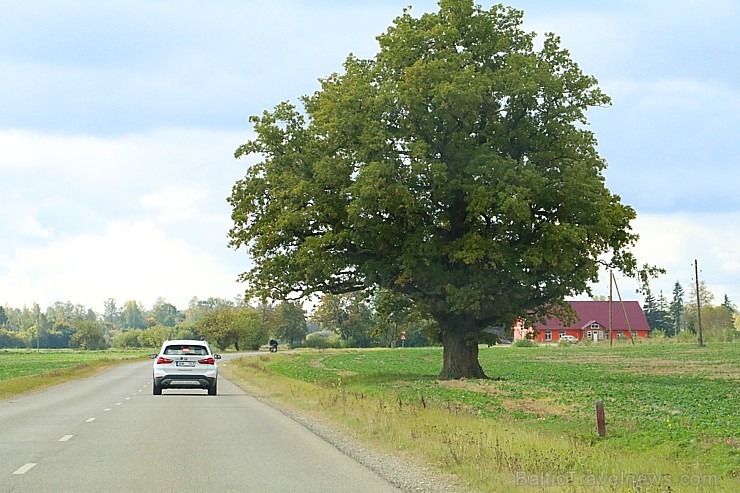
pixel 188 364
pixel 569 338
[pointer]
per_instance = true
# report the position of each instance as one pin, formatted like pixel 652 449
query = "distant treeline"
pixel 678 315
pixel 351 320
pixel 380 319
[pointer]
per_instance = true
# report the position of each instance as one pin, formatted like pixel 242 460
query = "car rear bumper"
pixel 184 381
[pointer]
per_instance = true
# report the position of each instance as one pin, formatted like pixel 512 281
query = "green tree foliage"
pixel 393 312
pixel 132 316
pixel 726 303
pixel 111 312
pixel 706 298
pixel 128 339
pixel 10 339
pixel 656 310
pixel 289 322
pixel 153 337
pixel 67 312
pixel 251 328
pixel 164 313
pixel 238 327
pixel 89 336
pixel 185 331
pixel 3 317
pixel 454 167
pixel 717 323
pixel 349 315
pixel 197 309
pixel 57 336
pixel 676 310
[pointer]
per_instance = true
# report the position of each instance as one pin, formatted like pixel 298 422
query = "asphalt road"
pixel 109 433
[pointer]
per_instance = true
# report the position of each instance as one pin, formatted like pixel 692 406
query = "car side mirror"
pixel 152 356
pixel 217 356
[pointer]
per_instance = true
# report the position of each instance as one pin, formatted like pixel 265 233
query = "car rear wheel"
pixel 212 388
pixel 156 389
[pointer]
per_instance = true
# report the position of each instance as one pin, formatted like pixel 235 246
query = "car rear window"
pixel 183 349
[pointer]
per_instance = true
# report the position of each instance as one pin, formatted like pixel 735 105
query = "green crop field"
pixel 673 412
pixel 26 370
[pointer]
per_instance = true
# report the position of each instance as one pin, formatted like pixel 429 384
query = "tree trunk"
pixel 460 358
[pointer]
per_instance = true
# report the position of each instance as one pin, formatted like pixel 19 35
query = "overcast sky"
pixel 119 120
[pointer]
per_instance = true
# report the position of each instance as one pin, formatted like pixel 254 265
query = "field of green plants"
pixel 22 370
pixel 673 412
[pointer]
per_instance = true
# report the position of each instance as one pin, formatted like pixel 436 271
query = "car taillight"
pixel 207 361
pixel 162 360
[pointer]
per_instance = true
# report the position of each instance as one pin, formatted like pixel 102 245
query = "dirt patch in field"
pixel 317 363
pixel 540 407
pixel 473 387
pixel 639 366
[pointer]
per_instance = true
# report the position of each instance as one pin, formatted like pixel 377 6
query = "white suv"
pixel 186 364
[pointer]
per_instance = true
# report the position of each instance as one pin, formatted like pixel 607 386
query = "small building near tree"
pixel 591 323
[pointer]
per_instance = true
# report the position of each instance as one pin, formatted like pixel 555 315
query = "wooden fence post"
pixel 600 420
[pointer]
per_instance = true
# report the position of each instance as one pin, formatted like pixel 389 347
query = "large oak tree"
pixel 454 167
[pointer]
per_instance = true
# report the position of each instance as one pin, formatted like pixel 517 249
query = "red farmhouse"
pixel 592 322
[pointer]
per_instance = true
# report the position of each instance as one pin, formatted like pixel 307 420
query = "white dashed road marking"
pixel 25 469
pixel 65 438
pixel 90 420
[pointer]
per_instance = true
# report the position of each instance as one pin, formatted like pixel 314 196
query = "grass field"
pixel 673 412
pixel 24 371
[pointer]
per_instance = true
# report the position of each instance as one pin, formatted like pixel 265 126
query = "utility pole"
pixel 698 301
pixel 611 316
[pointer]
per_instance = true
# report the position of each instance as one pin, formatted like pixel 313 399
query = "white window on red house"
pixel 562 334
pixel 588 334
pixel 548 335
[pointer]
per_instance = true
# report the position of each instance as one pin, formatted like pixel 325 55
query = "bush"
pixel 88 336
pixel 323 339
pixel 153 337
pixel 11 340
pixel 128 339
pixel 185 331
pixel 525 343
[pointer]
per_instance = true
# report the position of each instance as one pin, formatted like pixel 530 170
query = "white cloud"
pixel 135 260
pixel 675 94
pixel 132 217
pixel 175 203
pixel 675 241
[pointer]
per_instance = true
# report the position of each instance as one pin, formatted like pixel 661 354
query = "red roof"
pixel 588 312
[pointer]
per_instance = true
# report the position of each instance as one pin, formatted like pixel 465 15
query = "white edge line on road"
pixel 128 398
pixel 106 409
pixel 118 403
pixel 90 420
pixel 65 438
pixel 24 469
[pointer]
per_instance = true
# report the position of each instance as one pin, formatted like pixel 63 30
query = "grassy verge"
pixel 673 413
pixel 24 371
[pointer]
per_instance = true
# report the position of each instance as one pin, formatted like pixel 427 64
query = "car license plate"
pixel 185 363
